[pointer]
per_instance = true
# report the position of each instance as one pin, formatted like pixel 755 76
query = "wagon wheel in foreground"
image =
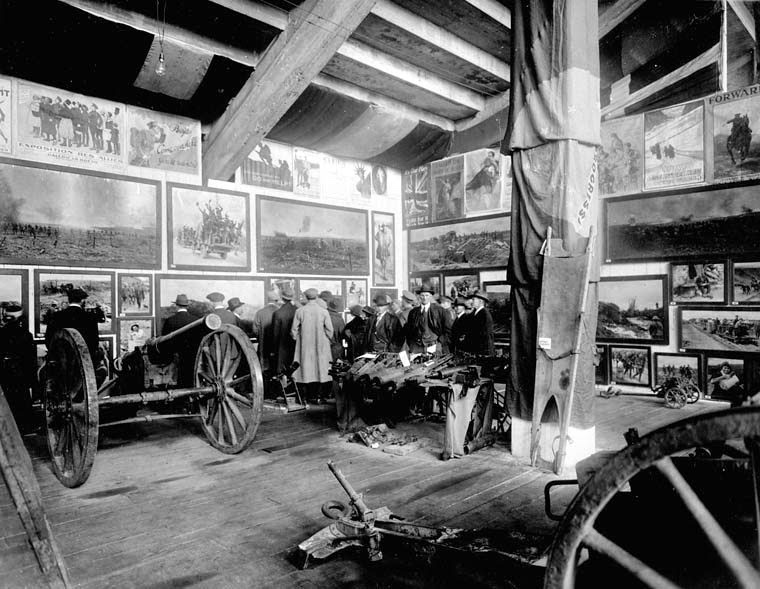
pixel 584 517
pixel 70 400
pixel 231 414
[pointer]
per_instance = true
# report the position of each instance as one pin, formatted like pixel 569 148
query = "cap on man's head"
pixel 76 295
pixel 286 293
pixel 181 300
pixel 14 311
pixel 215 297
pixel 356 310
pixel 409 297
pixel 326 296
pixel 234 303
pixel 311 293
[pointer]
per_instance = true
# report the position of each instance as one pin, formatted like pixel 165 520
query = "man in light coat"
pixel 312 330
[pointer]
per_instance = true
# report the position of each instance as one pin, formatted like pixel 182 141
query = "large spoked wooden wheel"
pixel 579 527
pixel 230 416
pixel 71 407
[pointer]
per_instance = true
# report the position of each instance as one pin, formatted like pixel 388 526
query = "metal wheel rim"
pixel 231 416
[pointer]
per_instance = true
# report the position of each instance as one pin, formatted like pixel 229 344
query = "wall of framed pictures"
pixel 121 211
pixel 682 208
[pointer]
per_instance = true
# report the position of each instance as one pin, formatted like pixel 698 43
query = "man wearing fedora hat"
pixel 480 327
pixel 282 321
pixel 235 306
pixel 187 346
pixel 429 327
pixel 459 329
pixel 180 318
pixel 384 333
pixel 76 317
pixel 18 367
pixel 339 326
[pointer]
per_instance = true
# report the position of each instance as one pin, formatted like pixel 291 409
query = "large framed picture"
pixel 629 365
pixel 65 217
pixel 51 288
pixel 693 283
pixel 250 291
pixel 295 237
pixel 383 249
pixel 356 292
pixel 719 329
pixel 500 306
pixel 746 283
pixel 698 223
pixel 725 377
pixel 687 366
pixel 633 309
pixel 135 294
pixel 14 290
pixel 133 332
pixel 478 243
pixel 208 228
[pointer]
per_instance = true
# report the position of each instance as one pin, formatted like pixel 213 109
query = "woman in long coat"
pixel 312 330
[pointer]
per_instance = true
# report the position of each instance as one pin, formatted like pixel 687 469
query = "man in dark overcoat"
pixel 186 346
pixel 263 330
pixel 282 322
pixel 429 326
pixel 384 333
pixel 76 317
pixel 227 316
pixel 480 327
pixel 18 367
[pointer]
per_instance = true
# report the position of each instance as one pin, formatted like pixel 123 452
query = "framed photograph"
pixel 736 151
pixel 448 188
pixel 725 377
pixel 719 329
pixel 135 294
pixel 621 156
pixel 482 182
pixel 416 281
pixel 415 186
pixel 667 365
pixel 295 237
pixel 633 309
pixel 391 292
pixel 602 365
pixel 674 146
pixel 66 217
pixel 692 283
pixel 269 165
pixel 133 332
pixel 334 285
pixel 500 306
pixel 14 290
pixel 629 365
pixel 356 292
pixel 478 243
pixel 383 249
pixel 700 223
pixel 746 283
pixel 196 287
pixel 279 283
pixel 163 142
pixel 460 285
pixel 379 180
pixel 308 178
pixel 51 289
pixel 208 228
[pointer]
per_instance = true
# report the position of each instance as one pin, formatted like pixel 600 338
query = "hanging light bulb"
pixel 161 65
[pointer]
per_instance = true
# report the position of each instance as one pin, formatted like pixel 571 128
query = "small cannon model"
pixel 227 391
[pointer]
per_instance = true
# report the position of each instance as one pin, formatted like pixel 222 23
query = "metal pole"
pixel 356 499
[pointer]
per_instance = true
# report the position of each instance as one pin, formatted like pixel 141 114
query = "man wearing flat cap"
pixel 480 327
pixel 384 332
pixel 227 316
pixel 76 317
pixel 282 321
pixel 312 330
pixel 408 301
pixel 18 367
pixel 263 331
pixel 429 327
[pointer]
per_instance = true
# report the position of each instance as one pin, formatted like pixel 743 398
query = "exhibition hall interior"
pixel 379 293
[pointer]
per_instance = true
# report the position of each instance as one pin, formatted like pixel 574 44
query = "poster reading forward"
pixel 620 157
pixel 736 152
pixel 162 141
pixel 5 115
pixel 674 144
pixel 448 189
pixel 58 126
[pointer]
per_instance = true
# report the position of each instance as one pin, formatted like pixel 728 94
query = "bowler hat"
pixel 410 297
pixel 215 297
pixel 334 304
pixel 382 300
pixel 286 293
pixel 14 311
pixel 234 303
pixel 369 310
pixel 76 295
pixel 459 302
pixel 181 300
pixel 311 293
pixel 356 310
pixel 426 287
pixel 481 295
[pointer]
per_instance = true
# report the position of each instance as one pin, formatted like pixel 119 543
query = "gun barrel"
pixel 211 321
pixel 356 499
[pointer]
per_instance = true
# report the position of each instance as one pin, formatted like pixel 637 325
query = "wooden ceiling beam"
pixel 492 106
pixel 496 10
pixel 314 32
pixel 616 14
pixel 745 15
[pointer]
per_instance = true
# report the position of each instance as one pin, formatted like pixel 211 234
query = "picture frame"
pixel 745 283
pixel 297 237
pixel 685 224
pixel 135 294
pixel 500 306
pixel 14 290
pixel 356 292
pixel 693 283
pixel 208 229
pixel 51 286
pixel 416 281
pixel 630 365
pixel 383 249
pixel 334 285
pixel 669 364
pixel 717 331
pixel 602 368
pixel 250 290
pixel 481 243
pixel 127 339
pixel 81 218
pixel 642 318
pixel 725 386
pixel 460 284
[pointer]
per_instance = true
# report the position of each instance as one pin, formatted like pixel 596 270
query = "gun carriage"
pixel 226 392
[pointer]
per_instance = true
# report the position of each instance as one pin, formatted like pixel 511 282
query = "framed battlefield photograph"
pixel 14 290
pixel 133 332
pixel 719 329
pixel 208 229
pixel 500 306
pixel 745 277
pixel 51 288
pixel 685 366
pixel 295 237
pixel 633 309
pixel 135 294
pixel 68 217
pixel 356 292
pixel 689 224
pixel 383 249
pixel 693 283
pixel 417 280
pixel 196 288
pixel 602 365
pixel 629 365
pixel 460 284
pixel 477 243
